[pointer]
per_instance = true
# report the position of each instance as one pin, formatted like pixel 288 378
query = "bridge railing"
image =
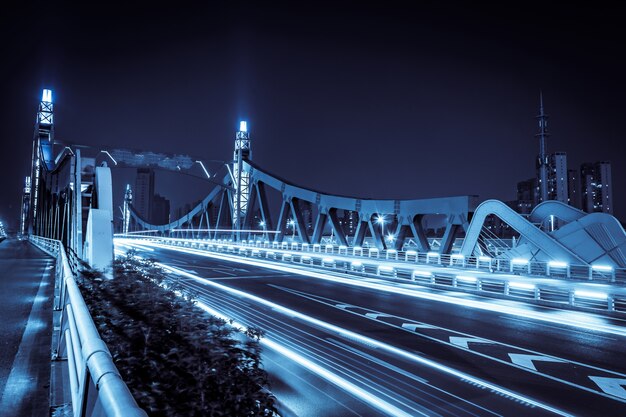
pixel 97 389
pixel 518 284
pixel 517 266
pixel 372 263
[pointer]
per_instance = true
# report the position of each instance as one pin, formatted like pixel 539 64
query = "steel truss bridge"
pixel 68 197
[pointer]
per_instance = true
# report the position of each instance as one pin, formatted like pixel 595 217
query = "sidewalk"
pixel 26 285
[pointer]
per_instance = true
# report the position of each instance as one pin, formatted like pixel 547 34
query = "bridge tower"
pixel 241 178
pixel 128 201
pixel 42 155
pixel 542 158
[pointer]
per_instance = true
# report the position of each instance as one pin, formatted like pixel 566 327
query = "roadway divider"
pixel 97 389
pixel 476 274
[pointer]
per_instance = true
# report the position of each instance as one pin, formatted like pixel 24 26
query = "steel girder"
pixel 407 213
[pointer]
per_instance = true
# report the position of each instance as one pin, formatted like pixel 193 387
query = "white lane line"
pixel 405 373
pixel 527 360
pixel 22 381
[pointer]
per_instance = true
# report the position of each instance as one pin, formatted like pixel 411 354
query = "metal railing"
pixel 551 269
pixel 398 265
pixel 97 389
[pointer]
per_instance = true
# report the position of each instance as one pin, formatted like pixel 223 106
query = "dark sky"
pixel 386 100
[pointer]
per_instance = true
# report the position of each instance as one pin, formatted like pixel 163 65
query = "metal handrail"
pixel 89 360
pixel 503 265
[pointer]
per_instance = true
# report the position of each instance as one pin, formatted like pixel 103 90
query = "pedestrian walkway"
pixel 26 288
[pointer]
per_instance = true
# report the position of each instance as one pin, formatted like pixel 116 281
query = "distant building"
pixel 144 193
pixel 573 188
pixel 557 177
pixel 596 187
pixel 160 210
pixel 527 195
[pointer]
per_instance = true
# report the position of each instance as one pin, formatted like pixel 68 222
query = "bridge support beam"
pixel 359 235
pixel 320 223
pixel 448 238
pixel 299 220
pixel 418 233
pixel 282 221
pixel 334 221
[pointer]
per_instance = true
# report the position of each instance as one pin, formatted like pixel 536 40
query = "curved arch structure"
pixel 405 215
pixel 561 211
pixel 585 239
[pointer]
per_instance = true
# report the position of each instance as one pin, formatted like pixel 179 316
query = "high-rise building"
pixel 144 193
pixel 527 195
pixel 160 210
pixel 573 188
pixel 557 177
pixel 596 187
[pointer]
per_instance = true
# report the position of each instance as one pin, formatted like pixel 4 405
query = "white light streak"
pixel 591 294
pixel 366 340
pixel 521 285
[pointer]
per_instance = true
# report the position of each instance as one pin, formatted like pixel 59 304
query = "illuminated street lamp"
pixel 380 219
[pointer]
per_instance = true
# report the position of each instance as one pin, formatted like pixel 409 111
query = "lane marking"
pixel 527 360
pixel 383 346
pixel 415 326
pixel 464 341
pixel 612 386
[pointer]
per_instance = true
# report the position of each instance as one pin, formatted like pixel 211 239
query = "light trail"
pixel 572 319
pixel 364 339
pixel 317 369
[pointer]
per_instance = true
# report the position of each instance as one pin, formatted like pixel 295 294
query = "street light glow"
pixel 380 219
pixel 243 126
pixel 46 97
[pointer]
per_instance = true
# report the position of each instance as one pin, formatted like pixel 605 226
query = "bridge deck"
pixel 26 285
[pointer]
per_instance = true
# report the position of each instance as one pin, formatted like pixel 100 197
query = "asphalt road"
pixel 411 349
pixel 26 329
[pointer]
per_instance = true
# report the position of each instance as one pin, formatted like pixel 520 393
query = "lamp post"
pixel 262 225
pixel 291 223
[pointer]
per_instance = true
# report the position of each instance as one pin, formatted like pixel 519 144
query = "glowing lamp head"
pixel 380 219
pixel 46 96
pixel 243 126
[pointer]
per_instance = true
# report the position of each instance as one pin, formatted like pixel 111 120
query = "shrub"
pixel 175 358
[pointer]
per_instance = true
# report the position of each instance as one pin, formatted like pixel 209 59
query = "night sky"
pixel 387 100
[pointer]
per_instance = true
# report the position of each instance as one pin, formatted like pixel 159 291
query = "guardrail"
pixel 394 266
pixel 552 269
pixel 97 389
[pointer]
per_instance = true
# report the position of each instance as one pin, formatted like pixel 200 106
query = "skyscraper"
pixel 160 210
pixel 573 188
pixel 144 193
pixel 596 187
pixel 557 177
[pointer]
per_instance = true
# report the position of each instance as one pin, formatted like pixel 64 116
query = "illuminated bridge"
pixel 370 307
